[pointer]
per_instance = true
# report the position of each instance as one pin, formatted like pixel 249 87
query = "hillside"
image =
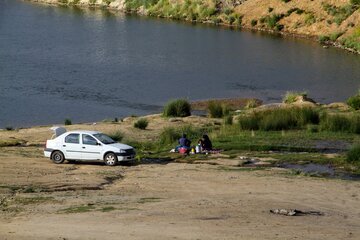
pixel 335 22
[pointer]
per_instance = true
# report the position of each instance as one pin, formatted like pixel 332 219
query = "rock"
pixel 271 106
pixel 118 4
pixel 142 11
pixel 339 106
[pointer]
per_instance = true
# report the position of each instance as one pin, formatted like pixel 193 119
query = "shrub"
pixel 177 108
pixel 340 123
pixel 335 123
pixel 9 128
pixel 310 18
pixel 311 128
pixel 142 123
pixel 279 119
pixel 355 2
pixel 272 20
pixel 250 122
pixel 290 97
pixel 116 136
pixel 270 9
pixel 67 121
pixel 254 22
pixel 228 120
pixel 335 36
pixel 353 156
pixel 352 41
pixel 217 110
pixel 323 39
pixel 299 11
pixel 169 135
pixel 355 124
pixel 354 101
pixel 251 103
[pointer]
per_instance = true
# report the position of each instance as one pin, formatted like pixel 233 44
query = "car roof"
pixel 83 131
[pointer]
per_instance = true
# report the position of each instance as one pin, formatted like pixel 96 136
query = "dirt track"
pixel 41 200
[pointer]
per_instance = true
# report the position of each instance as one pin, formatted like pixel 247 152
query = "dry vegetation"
pixel 329 21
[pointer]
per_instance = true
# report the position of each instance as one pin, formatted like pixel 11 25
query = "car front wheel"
pixel 57 157
pixel 110 159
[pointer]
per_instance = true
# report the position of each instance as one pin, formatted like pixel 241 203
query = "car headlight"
pixel 122 151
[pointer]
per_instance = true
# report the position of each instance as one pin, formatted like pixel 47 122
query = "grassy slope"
pixel 331 21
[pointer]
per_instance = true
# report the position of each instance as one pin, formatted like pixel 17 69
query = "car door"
pixel 91 148
pixel 72 147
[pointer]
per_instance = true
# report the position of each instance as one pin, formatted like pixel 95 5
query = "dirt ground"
pixel 167 200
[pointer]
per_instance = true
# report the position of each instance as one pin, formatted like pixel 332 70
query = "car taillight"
pixel 46 144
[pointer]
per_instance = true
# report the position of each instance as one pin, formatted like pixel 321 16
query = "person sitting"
pixel 184 142
pixel 205 142
pixel 184 145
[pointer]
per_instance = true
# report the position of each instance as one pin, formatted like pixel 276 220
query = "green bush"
pixel 67 121
pixel 311 128
pixel 228 120
pixel 355 2
pixel 340 123
pixel 355 124
pixel 217 110
pixel 252 103
pixel 169 135
pixel 279 119
pixel 177 108
pixel 353 156
pixel 9 128
pixel 352 41
pixel 354 101
pixel 254 22
pixel 290 97
pixel 335 123
pixel 116 136
pixel 142 123
pixel 250 122
pixel 323 39
pixel 310 18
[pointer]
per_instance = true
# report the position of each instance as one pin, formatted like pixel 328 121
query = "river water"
pixel 88 65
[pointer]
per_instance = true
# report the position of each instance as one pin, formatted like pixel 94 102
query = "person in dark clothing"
pixel 205 142
pixel 184 142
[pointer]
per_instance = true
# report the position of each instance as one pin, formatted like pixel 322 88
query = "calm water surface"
pixel 88 65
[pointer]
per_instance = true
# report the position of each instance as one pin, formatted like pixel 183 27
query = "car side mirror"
pixel 99 144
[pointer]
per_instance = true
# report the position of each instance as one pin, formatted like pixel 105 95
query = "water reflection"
pixel 90 64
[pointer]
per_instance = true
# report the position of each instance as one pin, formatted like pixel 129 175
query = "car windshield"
pixel 105 139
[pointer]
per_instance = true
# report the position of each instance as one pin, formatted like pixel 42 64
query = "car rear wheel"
pixel 110 159
pixel 57 157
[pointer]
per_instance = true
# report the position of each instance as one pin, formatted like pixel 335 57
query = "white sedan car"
pixel 86 146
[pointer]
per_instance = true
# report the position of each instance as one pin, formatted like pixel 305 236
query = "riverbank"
pixel 182 197
pixel 336 24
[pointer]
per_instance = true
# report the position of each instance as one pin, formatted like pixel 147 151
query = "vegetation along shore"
pixel 325 134
pixel 330 22
pixel 297 154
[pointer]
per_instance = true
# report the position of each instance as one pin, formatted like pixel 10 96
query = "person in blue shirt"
pixel 184 142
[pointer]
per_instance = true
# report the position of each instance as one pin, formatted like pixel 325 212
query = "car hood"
pixel 120 146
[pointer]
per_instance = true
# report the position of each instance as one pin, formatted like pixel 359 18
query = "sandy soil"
pixel 167 200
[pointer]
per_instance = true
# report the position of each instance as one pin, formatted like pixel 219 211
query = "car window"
pixel 72 138
pixel 105 139
pixel 89 140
